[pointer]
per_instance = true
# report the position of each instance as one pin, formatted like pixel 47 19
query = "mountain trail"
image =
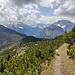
pixel 57 68
pixel 62 65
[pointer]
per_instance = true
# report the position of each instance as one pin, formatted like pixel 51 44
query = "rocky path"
pixel 62 64
pixel 57 65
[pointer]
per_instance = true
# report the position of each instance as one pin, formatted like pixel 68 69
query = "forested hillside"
pixel 26 59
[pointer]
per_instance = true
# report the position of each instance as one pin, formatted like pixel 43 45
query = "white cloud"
pixel 51 3
pixel 21 3
pixel 11 13
pixel 67 9
pixel 48 3
pixel 61 1
pixel 52 19
pixel 48 20
pixel 27 12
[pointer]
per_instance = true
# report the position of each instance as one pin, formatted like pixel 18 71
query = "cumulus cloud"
pixel 48 3
pixel 67 9
pixel 34 19
pixel 27 11
pixel 11 13
pixel 51 3
pixel 61 1
pixel 21 3
pixel 48 20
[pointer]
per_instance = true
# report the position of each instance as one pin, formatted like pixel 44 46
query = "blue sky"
pixel 47 11
pixel 32 12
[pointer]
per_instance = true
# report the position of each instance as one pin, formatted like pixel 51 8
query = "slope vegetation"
pixel 27 60
pixel 32 58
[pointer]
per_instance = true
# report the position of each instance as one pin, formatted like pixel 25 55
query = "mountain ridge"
pixel 56 29
pixel 7 35
pixel 23 28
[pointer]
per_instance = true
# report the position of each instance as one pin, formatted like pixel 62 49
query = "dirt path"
pixel 62 64
pixel 57 65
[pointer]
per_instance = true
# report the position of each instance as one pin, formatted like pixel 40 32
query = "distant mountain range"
pixel 65 25
pixel 56 29
pixel 43 30
pixel 7 35
pixel 10 37
pixel 25 29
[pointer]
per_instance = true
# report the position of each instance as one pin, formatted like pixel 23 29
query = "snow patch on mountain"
pixel 21 27
pixel 61 26
pixel 5 26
